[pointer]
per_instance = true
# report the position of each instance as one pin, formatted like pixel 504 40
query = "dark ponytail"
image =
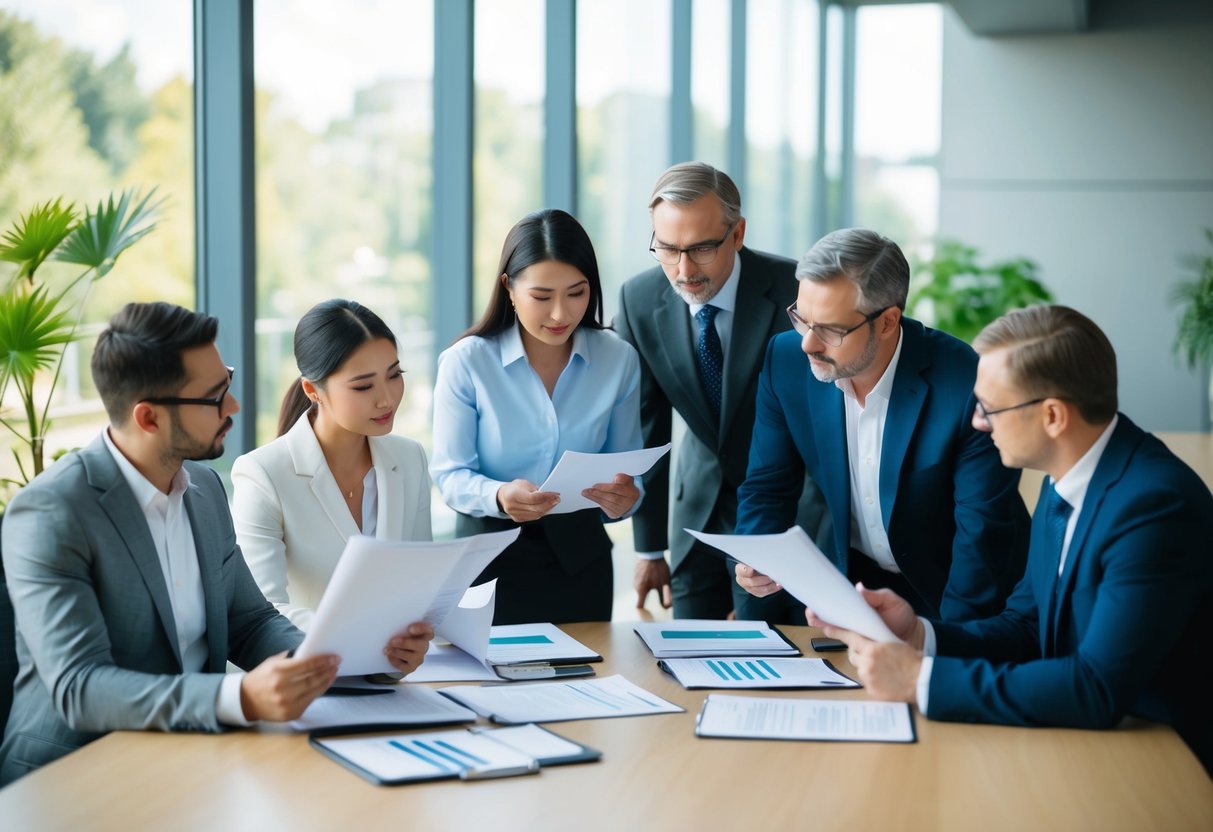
pixel 324 340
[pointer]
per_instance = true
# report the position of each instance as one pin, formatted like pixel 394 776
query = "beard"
pixel 186 447
pixel 833 372
pixel 701 294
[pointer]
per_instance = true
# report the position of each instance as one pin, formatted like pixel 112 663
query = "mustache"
pixel 227 424
pixel 824 359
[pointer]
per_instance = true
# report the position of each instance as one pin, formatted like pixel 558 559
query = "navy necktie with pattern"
pixel 710 356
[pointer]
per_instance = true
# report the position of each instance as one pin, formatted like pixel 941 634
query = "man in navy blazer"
pixel 879 416
pixel 1111 617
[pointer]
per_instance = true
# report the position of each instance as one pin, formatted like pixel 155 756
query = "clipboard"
pixel 461 754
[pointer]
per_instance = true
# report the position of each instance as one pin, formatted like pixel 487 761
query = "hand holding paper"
pixel 575 472
pixel 794 561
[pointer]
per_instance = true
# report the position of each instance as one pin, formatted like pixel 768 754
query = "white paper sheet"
pixel 846 720
pixel 402 705
pixel 686 637
pixel 522 643
pixel 380 587
pixel 448 663
pixel 430 755
pixel 577 471
pixel 793 560
pixel 557 701
pixel 467 626
pixel 756 672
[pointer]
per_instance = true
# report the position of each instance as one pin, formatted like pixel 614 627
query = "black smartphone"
pixel 825 645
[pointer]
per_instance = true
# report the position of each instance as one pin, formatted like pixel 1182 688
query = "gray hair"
pixel 871 261
pixel 686 182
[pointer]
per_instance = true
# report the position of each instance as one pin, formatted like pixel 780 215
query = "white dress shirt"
pixel 865 436
pixel 1072 487
pixel 169 525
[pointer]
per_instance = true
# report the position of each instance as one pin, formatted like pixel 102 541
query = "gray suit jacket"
pixel 713 455
pixel 96 637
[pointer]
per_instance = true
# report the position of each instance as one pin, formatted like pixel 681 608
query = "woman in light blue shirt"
pixel 536 376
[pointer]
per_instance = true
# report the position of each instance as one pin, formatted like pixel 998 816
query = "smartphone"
pixel 825 645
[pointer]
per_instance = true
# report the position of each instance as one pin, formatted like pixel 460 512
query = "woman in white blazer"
pixel 335 469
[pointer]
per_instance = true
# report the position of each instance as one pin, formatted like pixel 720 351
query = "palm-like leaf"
pixel 33 330
pixel 36 235
pixel 110 230
pixel 1194 337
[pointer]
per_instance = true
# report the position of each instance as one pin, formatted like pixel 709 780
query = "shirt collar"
pixel 1072 487
pixel 884 387
pixel 726 299
pixel 512 350
pixel 140 485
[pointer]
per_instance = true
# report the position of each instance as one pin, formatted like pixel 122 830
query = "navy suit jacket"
pixel 1128 634
pixel 957 526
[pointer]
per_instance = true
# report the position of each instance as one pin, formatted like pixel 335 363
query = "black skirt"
pixel 558 570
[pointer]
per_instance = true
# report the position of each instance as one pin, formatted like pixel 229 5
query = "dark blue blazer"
pixel 956 523
pixel 1129 630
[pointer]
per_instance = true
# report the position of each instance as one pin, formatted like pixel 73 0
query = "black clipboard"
pixel 444 760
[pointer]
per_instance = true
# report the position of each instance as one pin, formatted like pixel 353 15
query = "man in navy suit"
pixel 879 416
pixel 1111 616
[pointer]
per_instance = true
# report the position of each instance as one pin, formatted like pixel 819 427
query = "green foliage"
pixel 955 293
pixel 37 324
pixel 1194 337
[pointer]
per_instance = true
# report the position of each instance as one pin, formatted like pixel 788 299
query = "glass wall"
pixel 710 81
pixel 96 96
pixel 780 124
pixel 623 115
pixel 507 166
pixel 344 127
pixel 897 101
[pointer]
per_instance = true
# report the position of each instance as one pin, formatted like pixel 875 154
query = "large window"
pixel 97 96
pixel 623 115
pixel 710 82
pixel 344 126
pixel 897 100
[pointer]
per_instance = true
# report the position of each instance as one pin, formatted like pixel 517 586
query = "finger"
pixel 744 571
pixel 667 596
pixel 642 594
pixel 625 479
pixel 421 629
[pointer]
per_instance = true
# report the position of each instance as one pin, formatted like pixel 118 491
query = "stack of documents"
pixel 511 645
pixel 835 720
pixel 756 672
pixel 379 708
pixel 470 754
pixel 688 637
pixel 559 701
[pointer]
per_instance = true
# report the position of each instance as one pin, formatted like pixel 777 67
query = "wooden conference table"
pixel 654 774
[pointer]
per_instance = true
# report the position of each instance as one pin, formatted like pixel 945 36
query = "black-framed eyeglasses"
pixel 701 253
pixel 831 336
pixel 986 414
pixel 215 403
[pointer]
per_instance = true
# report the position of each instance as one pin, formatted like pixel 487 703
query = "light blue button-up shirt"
pixel 494 421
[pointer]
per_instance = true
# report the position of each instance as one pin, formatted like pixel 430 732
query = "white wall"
pixel 1093 155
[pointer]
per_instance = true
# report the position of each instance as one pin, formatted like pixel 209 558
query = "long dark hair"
pixel 539 237
pixel 324 339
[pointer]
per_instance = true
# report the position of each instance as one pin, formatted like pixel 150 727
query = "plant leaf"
pixel 36 235
pixel 33 330
pixel 111 229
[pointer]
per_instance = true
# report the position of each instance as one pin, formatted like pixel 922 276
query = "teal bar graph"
pixel 520 640
pixel 712 634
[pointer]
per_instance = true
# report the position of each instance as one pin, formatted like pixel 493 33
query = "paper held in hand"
pixel 381 586
pixel 577 471
pixel 793 560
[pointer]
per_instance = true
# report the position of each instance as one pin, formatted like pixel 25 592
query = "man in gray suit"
pixel 700 322
pixel 129 590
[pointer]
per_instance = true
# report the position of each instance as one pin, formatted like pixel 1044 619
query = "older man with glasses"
pixel 880 418
pixel 700 322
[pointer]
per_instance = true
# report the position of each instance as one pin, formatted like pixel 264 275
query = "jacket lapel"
pixel 118 502
pixel 752 316
pixel 828 413
pixel 310 464
pixel 905 406
pixel 671 318
pixel 208 544
pixel 389 520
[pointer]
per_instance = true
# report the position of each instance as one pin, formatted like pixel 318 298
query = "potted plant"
pixel 954 293
pixel 38 322
pixel 1194 296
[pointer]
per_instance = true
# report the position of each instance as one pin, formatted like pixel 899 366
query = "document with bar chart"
pixel 690 637
pixel 756 672
pixel 829 720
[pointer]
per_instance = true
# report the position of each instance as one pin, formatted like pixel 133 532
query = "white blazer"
pixel 292 522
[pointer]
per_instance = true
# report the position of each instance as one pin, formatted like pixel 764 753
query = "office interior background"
pixel 380 150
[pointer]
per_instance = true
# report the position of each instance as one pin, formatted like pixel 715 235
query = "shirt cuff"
pixel 928 638
pixel 651 555
pixel 924 683
pixel 227 705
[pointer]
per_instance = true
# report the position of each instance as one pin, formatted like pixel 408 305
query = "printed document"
pixel 839 720
pixel 756 672
pixel 577 471
pixel 399 705
pixel 557 701
pixel 793 560
pixel 685 637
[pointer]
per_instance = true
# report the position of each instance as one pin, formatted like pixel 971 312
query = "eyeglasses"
pixel 215 403
pixel 701 253
pixel 831 336
pixel 986 414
